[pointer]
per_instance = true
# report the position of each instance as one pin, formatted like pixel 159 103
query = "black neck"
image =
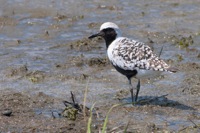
pixel 109 36
pixel 109 40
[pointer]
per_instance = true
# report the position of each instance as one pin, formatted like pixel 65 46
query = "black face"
pixel 108 34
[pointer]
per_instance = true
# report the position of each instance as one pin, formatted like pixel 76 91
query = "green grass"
pixel 90 120
pixel 105 120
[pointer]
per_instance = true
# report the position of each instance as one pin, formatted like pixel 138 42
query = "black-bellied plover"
pixel 129 57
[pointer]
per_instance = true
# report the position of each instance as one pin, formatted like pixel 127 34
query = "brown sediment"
pixel 45 53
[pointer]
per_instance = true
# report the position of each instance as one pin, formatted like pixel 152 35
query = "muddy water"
pixel 45 54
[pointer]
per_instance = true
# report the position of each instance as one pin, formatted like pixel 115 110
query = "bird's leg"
pixel 131 89
pixel 138 89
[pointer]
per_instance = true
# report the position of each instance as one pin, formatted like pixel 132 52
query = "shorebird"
pixel 131 58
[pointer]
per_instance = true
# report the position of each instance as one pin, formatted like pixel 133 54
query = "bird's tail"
pixel 172 69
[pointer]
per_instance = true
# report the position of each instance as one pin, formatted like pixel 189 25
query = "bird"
pixel 131 58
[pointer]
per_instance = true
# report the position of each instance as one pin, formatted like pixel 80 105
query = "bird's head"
pixel 108 30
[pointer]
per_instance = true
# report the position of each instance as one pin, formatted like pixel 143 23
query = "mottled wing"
pixel 130 54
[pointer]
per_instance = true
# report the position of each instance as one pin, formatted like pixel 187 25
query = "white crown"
pixel 109 25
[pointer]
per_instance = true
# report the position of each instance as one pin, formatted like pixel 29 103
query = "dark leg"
pixel 138 89
pixel 131 89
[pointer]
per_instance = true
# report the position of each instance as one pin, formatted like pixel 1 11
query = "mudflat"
pixel 45 55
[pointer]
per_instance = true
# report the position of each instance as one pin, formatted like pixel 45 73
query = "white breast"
pixel 112 54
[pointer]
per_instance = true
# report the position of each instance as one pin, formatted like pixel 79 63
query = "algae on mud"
pixel 44 55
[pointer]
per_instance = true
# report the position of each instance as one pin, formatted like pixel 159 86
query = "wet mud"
pixel 45 55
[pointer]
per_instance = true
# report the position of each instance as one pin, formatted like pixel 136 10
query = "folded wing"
pixel 130 54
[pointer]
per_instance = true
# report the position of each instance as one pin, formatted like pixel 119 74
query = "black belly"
pixel 127 73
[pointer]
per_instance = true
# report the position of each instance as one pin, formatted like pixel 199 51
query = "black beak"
pixel 95 35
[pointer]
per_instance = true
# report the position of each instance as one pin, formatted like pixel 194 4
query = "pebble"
pixel 7 112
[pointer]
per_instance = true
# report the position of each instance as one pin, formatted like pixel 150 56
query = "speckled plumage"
pixel 130 54
pixel 129 57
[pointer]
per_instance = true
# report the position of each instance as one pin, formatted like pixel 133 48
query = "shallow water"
pixel 44 36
